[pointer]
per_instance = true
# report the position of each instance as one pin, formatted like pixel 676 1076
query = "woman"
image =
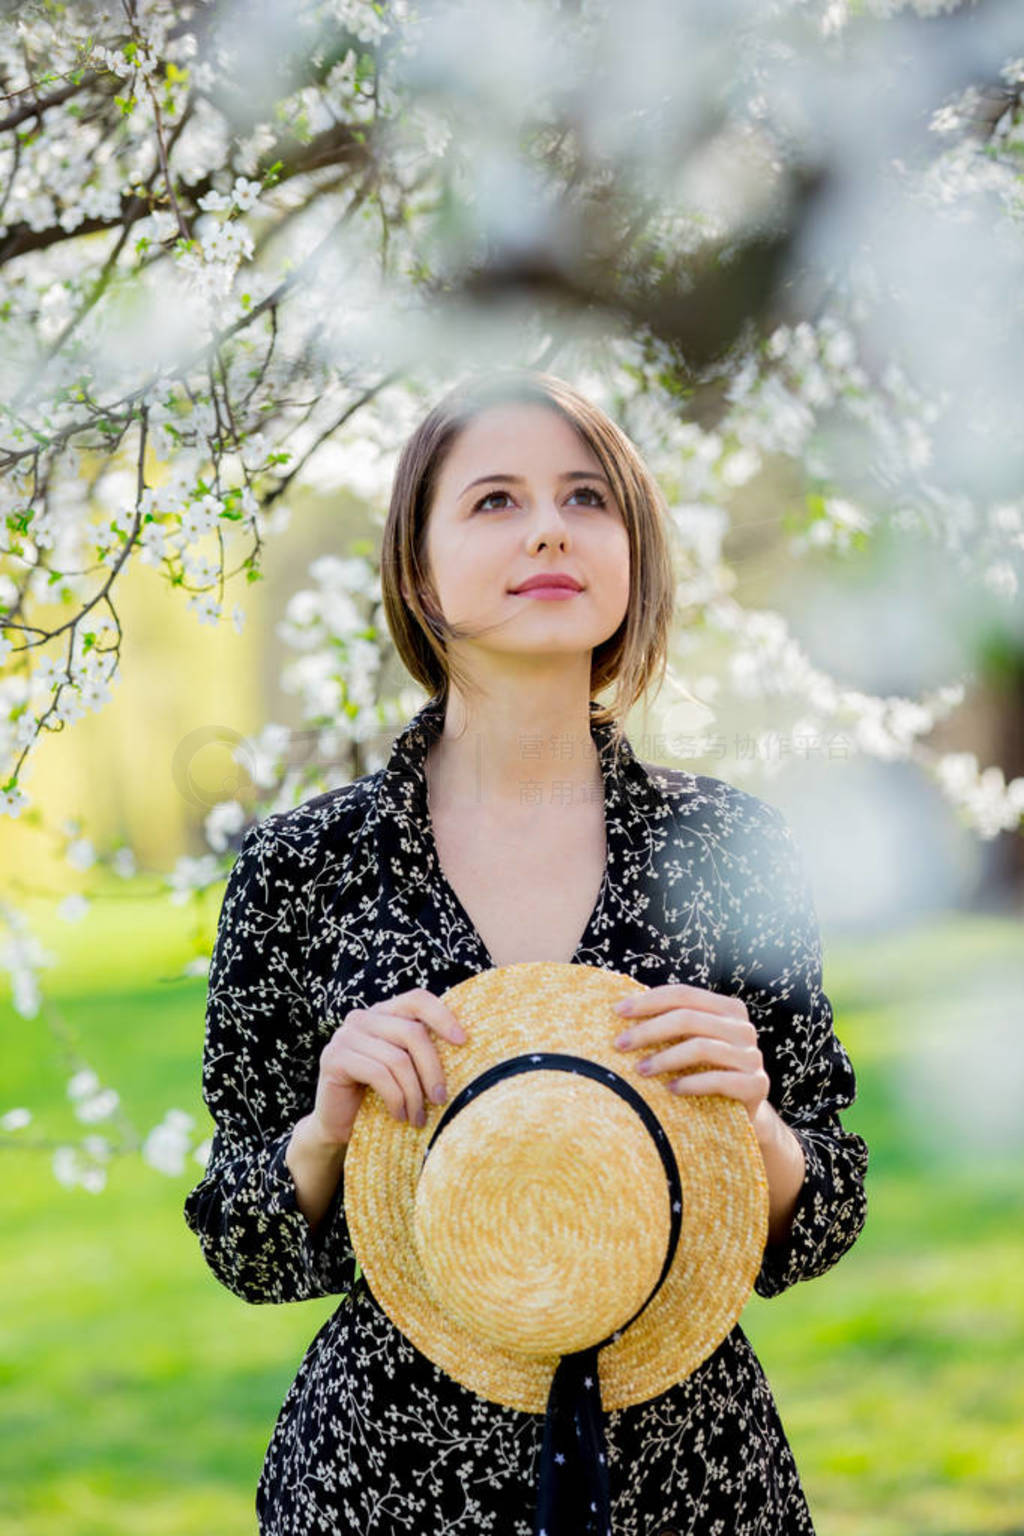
pixel 512 822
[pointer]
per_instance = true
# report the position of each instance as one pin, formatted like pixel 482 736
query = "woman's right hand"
pixel 388 1047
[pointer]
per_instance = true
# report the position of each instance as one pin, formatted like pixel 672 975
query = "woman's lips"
pixel 548 593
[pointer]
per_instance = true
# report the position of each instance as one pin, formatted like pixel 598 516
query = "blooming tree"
pixel 242 245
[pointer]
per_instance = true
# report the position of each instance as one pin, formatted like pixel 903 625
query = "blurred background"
pixel 784 253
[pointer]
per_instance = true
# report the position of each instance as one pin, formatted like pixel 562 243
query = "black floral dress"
pixel 340 903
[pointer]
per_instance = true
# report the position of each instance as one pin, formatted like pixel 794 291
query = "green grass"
pixel 137 1396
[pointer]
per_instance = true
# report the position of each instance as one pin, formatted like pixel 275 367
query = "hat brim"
pixel 549 1006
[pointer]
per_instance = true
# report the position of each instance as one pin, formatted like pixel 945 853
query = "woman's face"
pixel 520 495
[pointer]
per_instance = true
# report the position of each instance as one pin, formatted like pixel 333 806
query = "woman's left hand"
pixel 698 1028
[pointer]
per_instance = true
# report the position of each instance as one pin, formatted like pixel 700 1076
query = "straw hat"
pixel 560 1220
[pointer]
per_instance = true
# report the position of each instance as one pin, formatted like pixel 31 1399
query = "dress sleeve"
pixel 774 964
pixel 260 1065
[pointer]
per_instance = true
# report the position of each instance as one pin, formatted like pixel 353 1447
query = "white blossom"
pixel 98 1106
pixel 1005 517
pixel 225 819
pixel 81 853
pixel 262 756
pixel 741 466
pixel 155 544
pixel 73 908
pixel 206 607
pixel 123 863
pixel 245 194
pixel 23 956
pixel 70 1170
pixel 201 517
pixel 352 575
pixel 1001 578
pixel 167 1145
pixel 214 202
pixel 65 1166
pixel 94 695
pixel 69 706
pixel 83 1084
pixel 200 569
pixel 190 875
pixel 983 797
pixel 12 801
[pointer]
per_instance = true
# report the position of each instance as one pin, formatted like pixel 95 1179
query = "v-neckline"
pixel 459 906
pixel 412 867
pixel 614 753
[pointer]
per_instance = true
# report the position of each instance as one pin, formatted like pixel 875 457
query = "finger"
pixel 748 1088
pixel 689 1021
pixel 681 995
pixel 409 1033
pixel 703 1050
pixel 421 1004
pixel 382 1068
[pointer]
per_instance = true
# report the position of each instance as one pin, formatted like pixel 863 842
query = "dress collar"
pixel 411 746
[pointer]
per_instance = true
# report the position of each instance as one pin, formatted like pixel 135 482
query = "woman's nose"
pixel 549 523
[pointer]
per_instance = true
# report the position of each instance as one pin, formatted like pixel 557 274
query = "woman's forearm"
pixel 785 1166
pixel 315 1166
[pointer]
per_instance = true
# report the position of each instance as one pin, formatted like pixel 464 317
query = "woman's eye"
pixel 592 491
pixel 580 490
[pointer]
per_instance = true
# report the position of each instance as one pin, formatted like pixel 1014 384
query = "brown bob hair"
pixel 639 648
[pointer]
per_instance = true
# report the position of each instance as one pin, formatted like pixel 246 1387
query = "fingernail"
pixel 421 1116
pixel 644 1067
pixel 459 1035
pixel 437 1093
pixel 624 1039
pixel 625 1005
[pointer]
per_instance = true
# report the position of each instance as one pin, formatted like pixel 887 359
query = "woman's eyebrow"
pixel 570 474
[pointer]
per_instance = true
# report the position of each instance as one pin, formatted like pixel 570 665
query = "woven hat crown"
pixel 558 1201
pixel 528 1232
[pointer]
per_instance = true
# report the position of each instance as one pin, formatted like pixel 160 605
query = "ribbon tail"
pixel 573 1490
